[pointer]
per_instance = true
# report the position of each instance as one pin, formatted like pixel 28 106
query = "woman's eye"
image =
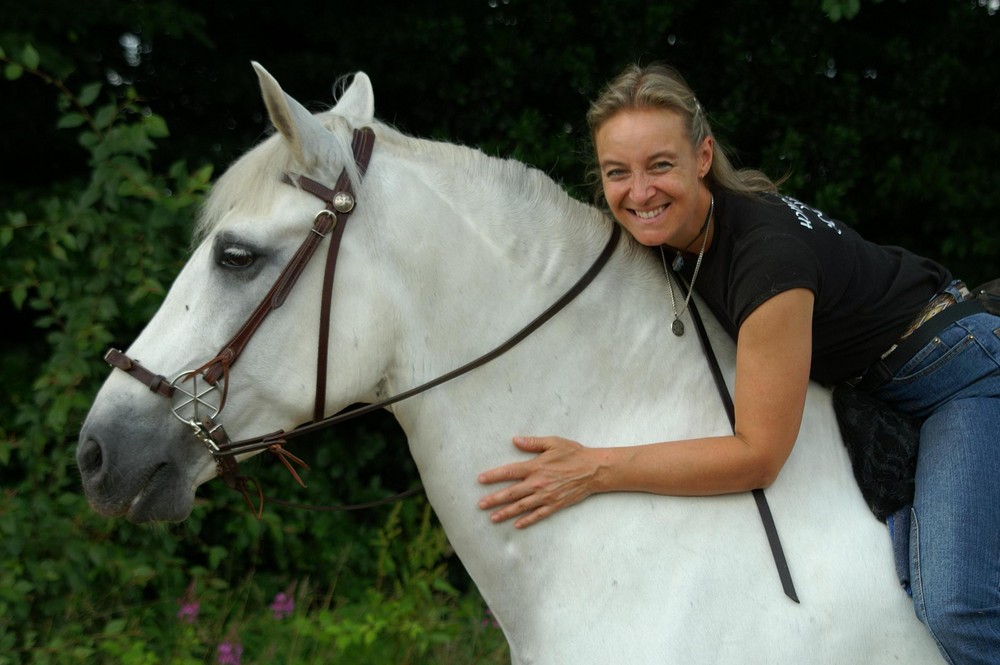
pixel 662 166
pixel 236 257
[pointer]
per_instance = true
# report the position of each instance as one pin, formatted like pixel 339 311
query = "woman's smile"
pixel 650 214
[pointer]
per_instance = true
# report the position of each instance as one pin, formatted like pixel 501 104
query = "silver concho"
pixel 343 202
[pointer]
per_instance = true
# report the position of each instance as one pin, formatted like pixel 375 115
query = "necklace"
pixel 677 327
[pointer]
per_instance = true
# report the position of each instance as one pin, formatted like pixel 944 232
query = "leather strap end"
pixel 116 358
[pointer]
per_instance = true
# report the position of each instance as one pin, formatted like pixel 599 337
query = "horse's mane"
pixel 515 191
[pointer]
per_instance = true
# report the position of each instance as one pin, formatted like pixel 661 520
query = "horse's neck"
pixel 605 369
pixel 493 238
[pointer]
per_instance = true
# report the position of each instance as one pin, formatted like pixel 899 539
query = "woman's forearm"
pixel 694 467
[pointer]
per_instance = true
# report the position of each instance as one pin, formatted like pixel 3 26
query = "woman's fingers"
pixel 516 470
pixel 556 478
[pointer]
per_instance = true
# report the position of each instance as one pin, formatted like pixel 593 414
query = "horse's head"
pixel 145 447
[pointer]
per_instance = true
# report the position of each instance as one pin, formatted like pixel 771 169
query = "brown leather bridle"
pixel 192 403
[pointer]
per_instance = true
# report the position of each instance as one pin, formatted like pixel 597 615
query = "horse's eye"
pixel 238 258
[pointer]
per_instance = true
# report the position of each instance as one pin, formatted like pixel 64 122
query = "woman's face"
pixel 653 177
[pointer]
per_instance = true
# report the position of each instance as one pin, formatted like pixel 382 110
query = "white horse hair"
pixel 448 253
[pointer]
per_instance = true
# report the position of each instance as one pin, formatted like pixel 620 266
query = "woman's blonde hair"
pixel 660 86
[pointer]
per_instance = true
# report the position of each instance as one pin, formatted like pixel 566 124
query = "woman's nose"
pixel 641 188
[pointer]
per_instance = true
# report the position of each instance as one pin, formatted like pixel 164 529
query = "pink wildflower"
pixel 189 612
pixel 490 620
pixel 190 606
pixel 282 606
pixel 229 653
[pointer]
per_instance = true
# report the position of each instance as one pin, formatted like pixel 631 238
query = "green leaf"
pixel 58 253
pixel 13 71
pixel 71 120
pixel 30 57
pixel 68 241
pixel 89 140
pixel 114 627
pixel 838 9
pixel 156 127
pixel 89 94
pixel 203 175
pixel 19 294
pixel 17 219
pixel 216 555
pixel 105 116
pixel 82 653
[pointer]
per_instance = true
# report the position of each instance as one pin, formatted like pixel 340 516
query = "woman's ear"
pixel 705 153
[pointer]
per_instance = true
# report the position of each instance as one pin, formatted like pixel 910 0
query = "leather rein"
pixel 199 395
pixel 760 499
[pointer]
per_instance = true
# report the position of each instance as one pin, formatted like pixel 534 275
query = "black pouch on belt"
pixel 882 445
pixel 988 296
pixel 881 442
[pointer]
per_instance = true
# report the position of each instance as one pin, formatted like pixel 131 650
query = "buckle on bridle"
pixel 211 434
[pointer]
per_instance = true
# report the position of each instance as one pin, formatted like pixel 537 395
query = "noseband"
pixel 198 396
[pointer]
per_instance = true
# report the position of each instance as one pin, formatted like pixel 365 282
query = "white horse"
pixel 448 253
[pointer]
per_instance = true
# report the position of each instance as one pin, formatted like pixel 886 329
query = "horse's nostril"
pixel 90 457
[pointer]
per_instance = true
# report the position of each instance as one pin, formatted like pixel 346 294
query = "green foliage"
pixel 889 131
pixel 411 615
pixel 65 256
pixel 69 255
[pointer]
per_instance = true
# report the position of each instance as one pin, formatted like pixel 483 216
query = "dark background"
pixel 886 118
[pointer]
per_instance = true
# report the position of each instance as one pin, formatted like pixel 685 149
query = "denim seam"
pixel 948 355
pixel 916 579
pixel 918 583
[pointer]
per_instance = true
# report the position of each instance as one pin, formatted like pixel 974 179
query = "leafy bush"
pixel 84 265
pixel 65 257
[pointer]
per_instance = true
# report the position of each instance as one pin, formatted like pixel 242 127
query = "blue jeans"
pixel 954 382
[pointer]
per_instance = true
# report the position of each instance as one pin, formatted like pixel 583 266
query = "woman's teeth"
pixel 649 214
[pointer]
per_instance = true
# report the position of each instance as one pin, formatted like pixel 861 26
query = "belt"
pixel 940 313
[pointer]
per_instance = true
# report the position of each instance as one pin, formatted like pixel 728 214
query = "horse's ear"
pixel 300 128
pixel 357 103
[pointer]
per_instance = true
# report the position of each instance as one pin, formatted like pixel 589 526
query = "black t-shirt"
pixel 866 294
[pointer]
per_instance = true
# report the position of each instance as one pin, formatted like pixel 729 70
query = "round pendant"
pixel 677 327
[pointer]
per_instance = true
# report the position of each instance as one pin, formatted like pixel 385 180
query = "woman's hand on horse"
pixel 563 473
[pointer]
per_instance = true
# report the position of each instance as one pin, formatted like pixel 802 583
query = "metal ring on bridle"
pixel 195 398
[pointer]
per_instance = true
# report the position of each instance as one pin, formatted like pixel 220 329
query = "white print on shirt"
pixel 800 209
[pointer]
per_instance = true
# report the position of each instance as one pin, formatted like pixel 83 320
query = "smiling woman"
pixel 803 297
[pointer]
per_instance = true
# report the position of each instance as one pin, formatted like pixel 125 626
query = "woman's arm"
pixel 773 355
